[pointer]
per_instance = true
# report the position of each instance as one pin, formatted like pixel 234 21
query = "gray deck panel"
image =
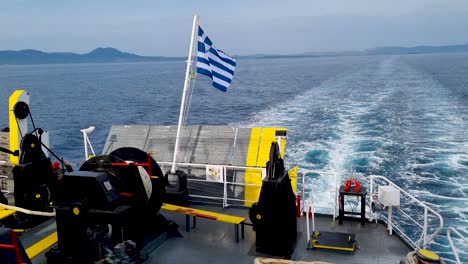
pixel 126 136
pixel 36 234
pixel 242 146
pixel 198 144
pixel 213 242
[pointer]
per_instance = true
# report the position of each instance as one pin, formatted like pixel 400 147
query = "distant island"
pixel 375 51
pixel 101 55
pixel 31 56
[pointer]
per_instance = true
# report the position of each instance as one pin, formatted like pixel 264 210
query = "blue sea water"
pixel 403 117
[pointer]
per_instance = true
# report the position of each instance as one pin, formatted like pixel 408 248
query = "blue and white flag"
pixel 214 63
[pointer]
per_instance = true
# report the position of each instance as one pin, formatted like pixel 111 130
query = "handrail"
pixel 452 246
pixel 224 198
pixel 3 180
pixel 334 191
pixel 202 165
pixel 425 241
pixel 310 212
pixel 4 184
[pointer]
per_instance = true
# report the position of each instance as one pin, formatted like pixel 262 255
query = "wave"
pixel 392 120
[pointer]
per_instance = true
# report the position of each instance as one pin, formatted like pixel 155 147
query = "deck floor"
pixel 213 242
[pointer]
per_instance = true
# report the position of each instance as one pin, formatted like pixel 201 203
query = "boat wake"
pixel 386 118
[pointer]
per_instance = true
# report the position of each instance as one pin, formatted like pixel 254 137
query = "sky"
pixel 241 27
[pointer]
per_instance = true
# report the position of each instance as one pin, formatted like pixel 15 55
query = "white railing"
pixel 4 184
pixel 452 246
pixel 425 238
pixel 225 199
pixel 4 180
pixel 424 241
pixel 310 213
pixel 301 193
pixel 308 189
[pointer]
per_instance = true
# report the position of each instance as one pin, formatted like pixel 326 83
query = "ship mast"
pixel 186 87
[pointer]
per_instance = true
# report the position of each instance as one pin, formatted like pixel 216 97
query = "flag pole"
pixel 186 86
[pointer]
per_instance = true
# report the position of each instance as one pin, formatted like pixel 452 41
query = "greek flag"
pixel 214 63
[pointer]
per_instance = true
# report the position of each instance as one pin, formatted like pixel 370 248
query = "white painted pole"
pixel 186 86
pixel 336 189
pixel 85 145
pixel 313 215
pixel 425 229
pixel 371 198
pixel 86 141
pixel 308 228
pixel 90 145
pixel 390 224
pixel 225 204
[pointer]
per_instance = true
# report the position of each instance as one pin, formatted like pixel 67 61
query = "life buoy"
pixel 348 185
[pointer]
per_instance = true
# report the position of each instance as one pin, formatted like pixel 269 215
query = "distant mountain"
pixel 114 55
pixel 375 51
pixel 98 55
pixel 418 49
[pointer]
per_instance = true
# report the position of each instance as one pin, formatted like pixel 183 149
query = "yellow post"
pixel 16 125
pixel 258 154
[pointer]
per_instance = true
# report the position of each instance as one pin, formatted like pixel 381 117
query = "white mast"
pixel 193 40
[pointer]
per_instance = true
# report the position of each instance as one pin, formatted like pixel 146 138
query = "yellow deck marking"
pixel 36 249
pixel 4 213
pixel 258 154
pixel 204 214
pixel 252 176
pixel 316 245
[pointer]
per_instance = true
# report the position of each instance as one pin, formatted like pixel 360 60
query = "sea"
pixel 404 117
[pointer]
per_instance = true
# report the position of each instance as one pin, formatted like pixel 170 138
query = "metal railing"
pixel 4 180
pixel 225 199
pixel 310 213
pixel 308 190
pixel 4 184
pixel 452 246
pixel 301 192
pixel 426 239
